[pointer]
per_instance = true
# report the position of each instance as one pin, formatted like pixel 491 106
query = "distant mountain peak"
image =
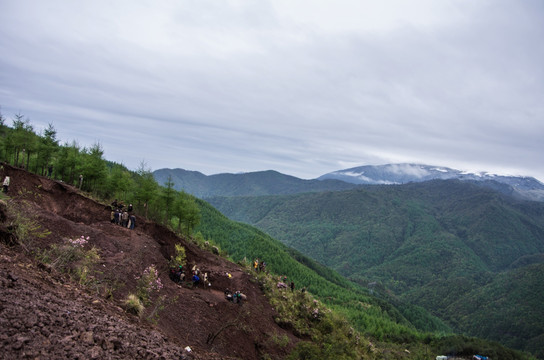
pixel 394 174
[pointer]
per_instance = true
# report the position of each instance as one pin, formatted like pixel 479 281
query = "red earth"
pixel 46 315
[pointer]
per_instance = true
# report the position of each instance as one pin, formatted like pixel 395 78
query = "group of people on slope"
pixel 259 266
pixel 236 297
pixel 121 216
pixel 284 284
pixel 178 276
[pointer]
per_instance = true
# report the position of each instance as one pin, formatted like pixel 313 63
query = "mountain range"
pixel 394 174
pixel 468 254
pixel 254 183
pixel 467 247
pixel 274 183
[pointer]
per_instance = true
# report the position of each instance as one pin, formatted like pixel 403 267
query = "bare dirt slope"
pixel 45 315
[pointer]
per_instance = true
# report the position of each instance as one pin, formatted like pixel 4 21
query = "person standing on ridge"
pixel 5 184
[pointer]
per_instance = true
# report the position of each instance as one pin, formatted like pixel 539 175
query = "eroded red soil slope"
pixel 44 315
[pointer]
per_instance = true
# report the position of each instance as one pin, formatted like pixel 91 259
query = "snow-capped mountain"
pixel 390 174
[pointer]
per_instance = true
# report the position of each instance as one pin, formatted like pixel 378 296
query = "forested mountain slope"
pixel 447 245
pixel 376 316
pixel 254 183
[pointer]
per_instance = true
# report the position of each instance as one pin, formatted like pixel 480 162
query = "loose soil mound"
pixel 44 315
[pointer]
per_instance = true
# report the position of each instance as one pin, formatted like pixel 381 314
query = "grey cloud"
pixel 249 86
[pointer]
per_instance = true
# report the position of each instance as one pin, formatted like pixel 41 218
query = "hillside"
pixel 382 317
pixel 45 315
pixel 436 244
pixel 254 183
pixel 78 310
pixel 76 285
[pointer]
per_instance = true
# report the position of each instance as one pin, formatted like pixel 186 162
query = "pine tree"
pixel 147 188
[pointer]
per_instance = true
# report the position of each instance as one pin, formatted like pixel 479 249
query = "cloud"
pixel 300 87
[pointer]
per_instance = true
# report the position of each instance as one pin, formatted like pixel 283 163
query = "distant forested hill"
pixel 465 252
pixel 254 183
pixel 382 317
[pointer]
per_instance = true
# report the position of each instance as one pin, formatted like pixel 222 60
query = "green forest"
pixel 259 183
pixel 467 254
pixel 377 313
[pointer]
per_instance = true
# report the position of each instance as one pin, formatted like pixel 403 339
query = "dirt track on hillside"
pixel 43 315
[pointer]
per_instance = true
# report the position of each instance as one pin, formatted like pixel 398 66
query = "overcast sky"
pixel 301 87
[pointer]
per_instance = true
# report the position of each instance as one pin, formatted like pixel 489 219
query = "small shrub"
pixel 25 230
pixel 133 305
pixel 90 257
pixel 307 351
pixel 147 283
pixel 158 306
pixel 198 239
pixel 71 257
pixel 179 259
pixel 280 341
pixel 72 250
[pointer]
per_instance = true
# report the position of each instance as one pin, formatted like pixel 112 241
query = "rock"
pixel 23 339
pixel 87 337
pixel 66 339
pixel 96 352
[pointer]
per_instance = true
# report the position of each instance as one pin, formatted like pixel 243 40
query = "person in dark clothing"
pixel 237 297
pixel 132 219
pixel 196 280
pixel 177 275
pixel 292 286
pixel 228 295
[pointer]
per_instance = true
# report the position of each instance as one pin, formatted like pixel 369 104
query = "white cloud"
pixel 297 86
